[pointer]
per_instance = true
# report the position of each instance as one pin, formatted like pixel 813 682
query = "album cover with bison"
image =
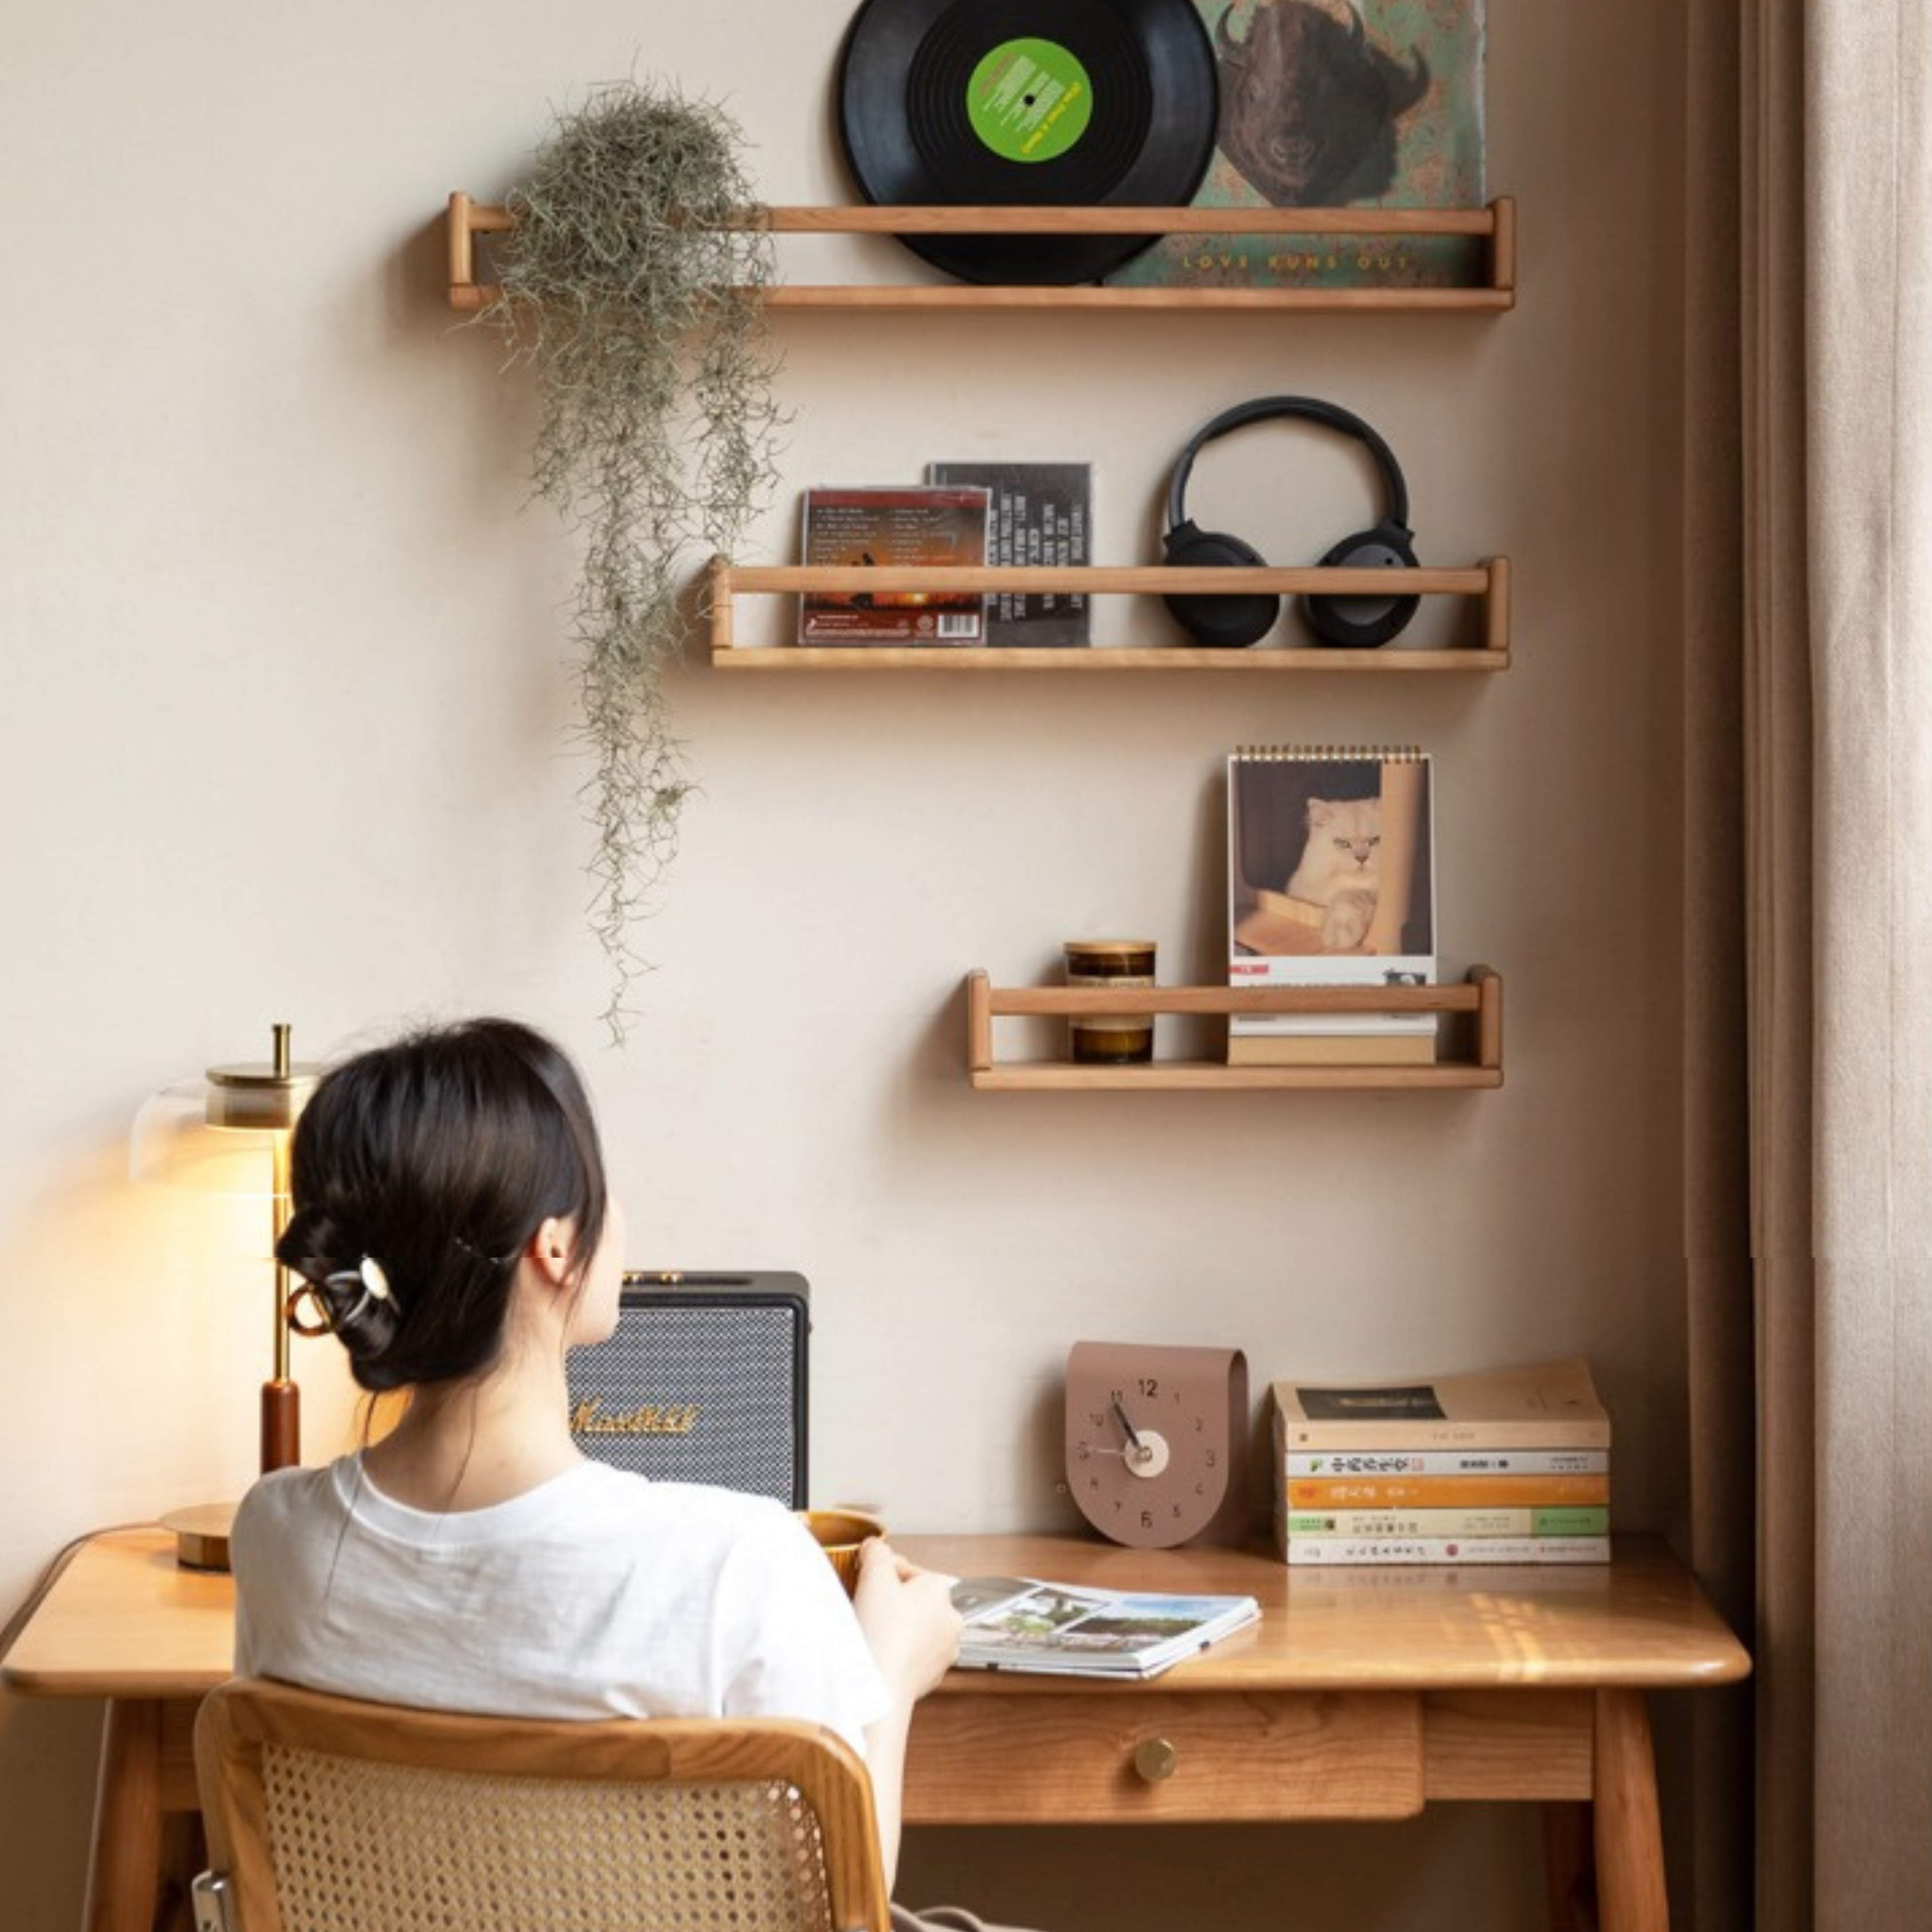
pixel 1324 103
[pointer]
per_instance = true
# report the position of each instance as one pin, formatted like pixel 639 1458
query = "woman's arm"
pixel 908 1616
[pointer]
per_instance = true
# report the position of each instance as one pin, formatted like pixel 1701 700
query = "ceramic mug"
pixel 841 1533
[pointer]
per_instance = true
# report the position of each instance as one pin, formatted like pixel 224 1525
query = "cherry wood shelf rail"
pixel 1478 999
pixel 1486 648
pixel 1494 225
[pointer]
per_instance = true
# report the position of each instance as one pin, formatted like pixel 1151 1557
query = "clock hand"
pixel 1146 1455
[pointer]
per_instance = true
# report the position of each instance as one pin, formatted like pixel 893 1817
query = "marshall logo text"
pixel 590 1417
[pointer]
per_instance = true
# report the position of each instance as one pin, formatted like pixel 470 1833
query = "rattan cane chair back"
pixel 326 1815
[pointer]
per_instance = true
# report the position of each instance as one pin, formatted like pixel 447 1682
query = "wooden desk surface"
pixel 1362 1693
pixel 123 1620
pixel 1640 1622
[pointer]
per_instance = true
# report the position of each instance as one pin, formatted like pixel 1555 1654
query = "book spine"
pixel 1302 1551
pixel 1560 1520
pixel 1360 1438
pixel 1326 1492
pixel 1323 1026
pixel 1247 1048
pixel 1447 1462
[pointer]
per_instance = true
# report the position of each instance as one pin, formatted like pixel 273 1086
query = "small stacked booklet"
pixel 1019 1623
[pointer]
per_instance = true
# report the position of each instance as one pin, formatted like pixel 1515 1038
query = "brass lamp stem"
pixel 278 1223
pixel 281 1398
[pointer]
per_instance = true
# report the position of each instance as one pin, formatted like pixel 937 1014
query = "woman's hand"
pixel 908 1619
pixel 908 1616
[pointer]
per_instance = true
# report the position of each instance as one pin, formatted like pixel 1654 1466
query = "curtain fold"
pixel 1808 1106
pixel 1868 382
pixel 1721 1332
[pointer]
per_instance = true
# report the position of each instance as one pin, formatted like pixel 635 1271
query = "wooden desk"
pixel 1362 1693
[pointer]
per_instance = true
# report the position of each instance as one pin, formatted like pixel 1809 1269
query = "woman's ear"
pixel 551 1246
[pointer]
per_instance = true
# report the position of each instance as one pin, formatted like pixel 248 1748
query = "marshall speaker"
pixel 704 1382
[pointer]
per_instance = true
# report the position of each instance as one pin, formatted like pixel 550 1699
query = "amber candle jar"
pixel 1111 1039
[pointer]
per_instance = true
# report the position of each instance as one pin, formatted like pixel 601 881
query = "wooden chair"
pixel 326 1815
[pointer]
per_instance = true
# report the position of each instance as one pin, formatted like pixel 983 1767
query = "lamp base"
pixel 201 1534
pixel 281 1424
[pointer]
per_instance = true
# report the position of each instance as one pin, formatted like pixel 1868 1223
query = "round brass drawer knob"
pixel 1155 1759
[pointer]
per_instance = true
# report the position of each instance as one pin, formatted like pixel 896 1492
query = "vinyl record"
pixel 1040 102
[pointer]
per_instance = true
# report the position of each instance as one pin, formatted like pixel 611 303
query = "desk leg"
pixel 1628 1831
pixel 125 1868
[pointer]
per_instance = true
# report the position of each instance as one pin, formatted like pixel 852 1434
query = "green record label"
pixel 1029 99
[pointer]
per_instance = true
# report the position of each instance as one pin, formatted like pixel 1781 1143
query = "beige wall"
pixel 287 735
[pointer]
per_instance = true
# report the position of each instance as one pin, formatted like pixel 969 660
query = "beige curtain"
pixel 1808 914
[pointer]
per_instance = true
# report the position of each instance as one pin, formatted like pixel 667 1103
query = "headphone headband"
pixel 1311 409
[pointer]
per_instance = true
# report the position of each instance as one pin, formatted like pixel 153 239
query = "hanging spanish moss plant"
pixel 655 435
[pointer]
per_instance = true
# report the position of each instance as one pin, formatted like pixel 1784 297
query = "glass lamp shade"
pixel 227 1133
pixel 181 1138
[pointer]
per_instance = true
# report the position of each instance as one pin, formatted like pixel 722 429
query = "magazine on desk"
pixel 1019 1623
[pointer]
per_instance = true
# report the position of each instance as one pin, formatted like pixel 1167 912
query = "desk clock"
pixel 1156 1441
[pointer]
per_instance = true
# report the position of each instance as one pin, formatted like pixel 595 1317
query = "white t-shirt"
pixel 598 1594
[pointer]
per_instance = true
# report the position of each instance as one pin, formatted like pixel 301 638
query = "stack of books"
pixel 1505 1465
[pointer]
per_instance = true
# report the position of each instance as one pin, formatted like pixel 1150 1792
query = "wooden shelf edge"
pixel 1466 995
pixel 1495 224
pixel 993 660
pixel 964 295
pixel 1485 648
pixel 1207 1075
pixel 1479 995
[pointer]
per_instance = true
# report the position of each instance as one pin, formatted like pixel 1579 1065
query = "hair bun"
pixel 317 1243
pixel 360 1307
pixel 345 1294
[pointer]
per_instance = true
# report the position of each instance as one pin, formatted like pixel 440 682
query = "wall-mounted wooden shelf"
pixel 1473 1062
pixel 1495 225
pixel 1485 647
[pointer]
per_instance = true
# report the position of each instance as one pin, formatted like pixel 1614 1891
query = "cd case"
pixel 901 526
pixel 1041 514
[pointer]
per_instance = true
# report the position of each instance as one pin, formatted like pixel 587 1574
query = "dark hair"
pixel 438 1157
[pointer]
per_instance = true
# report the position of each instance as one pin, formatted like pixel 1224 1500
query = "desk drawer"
pixel 1094 1757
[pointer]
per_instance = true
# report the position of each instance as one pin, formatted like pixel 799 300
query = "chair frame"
pixel 238 1719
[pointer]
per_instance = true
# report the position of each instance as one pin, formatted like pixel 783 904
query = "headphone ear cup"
pixel 1363 623
pixel 1227 622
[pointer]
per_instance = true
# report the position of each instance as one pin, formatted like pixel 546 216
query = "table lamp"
pixel 229 1133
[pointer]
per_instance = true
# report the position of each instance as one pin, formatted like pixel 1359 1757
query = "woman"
pixel 451 1225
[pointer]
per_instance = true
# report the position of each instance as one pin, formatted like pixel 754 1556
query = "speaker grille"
pixel 703 1381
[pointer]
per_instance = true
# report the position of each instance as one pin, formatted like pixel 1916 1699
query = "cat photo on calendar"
pixel 1331 882
pixel 1340 868
pixel 1329 855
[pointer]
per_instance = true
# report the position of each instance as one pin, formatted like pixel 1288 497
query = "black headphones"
pixel 1363 621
